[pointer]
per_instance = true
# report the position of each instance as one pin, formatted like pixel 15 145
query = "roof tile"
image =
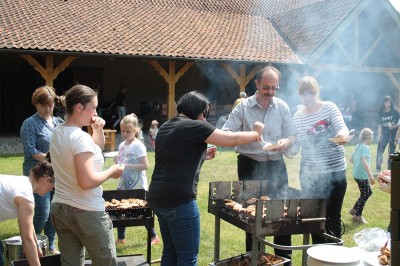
pixel 224 29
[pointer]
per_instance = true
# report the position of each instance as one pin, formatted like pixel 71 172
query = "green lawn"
pixel 223 168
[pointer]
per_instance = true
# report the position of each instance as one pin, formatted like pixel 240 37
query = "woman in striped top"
pixel 323 164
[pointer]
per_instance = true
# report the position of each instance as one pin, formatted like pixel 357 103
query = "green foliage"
pixel 223 168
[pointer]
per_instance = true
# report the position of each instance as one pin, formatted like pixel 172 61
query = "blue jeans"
pixel 42 217
pixel 180 232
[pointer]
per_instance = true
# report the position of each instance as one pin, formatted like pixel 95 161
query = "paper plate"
pixel 269 146
pixel 334 254
pixel 341 139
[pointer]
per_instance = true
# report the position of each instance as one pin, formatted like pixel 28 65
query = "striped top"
pixel 318 154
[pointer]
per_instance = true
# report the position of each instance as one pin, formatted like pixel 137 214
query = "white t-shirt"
pixel 129 154
pixel 12 186
pixel 66 142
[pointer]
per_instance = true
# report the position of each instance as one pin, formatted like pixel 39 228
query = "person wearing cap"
pixel 153 134
pixel 242 96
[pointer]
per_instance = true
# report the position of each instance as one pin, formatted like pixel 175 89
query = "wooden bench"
pixel 109 137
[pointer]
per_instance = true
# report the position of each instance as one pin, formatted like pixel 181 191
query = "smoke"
pixel 354 69
pixel 221 88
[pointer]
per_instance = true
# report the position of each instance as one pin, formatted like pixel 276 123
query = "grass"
pixel 223 168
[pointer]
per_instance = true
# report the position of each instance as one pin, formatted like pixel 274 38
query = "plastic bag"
pixel 371 239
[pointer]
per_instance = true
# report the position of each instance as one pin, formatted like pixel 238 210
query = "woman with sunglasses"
pixel 181 148
pixel 17 201
pixel 323 163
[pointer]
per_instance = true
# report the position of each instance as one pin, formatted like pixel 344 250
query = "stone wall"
pixel 11 146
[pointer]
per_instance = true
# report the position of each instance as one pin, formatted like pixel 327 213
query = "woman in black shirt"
pixel 181 148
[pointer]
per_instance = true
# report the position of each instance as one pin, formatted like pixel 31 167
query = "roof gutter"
pixel 137 57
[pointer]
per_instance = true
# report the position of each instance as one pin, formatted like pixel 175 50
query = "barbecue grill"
pixel 286 213
pixel 133 216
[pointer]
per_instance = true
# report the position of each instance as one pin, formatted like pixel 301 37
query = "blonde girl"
pixel 362 174
pixel 132 153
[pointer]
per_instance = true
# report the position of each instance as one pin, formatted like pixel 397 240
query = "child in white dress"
pixel 132 153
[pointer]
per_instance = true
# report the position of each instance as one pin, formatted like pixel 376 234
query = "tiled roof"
pixel 306 27
pixel 205 29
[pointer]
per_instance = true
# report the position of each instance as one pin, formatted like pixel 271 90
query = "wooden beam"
pixel 232 72
pixel 241 79
pixel 158 68
pixel 171 89
pixel 36 65
pixel 371 49
pixel 294 72
pixel 183 70
pixel 252 73
pixel 171 78
pixel 64 64
pixel 397 85
pixel 242 84
pixel 49 74
pixel 343 50
pixel 49 70
pixel 356 68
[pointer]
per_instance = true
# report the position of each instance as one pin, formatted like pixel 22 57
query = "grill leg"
pixel 306 241
pixel 217 238
pixel 254 251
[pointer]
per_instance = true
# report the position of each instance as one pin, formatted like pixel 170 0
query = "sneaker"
pixel 352 211
pixel 155 240
pixel 359 219
pixel 120 242
pixel 54 252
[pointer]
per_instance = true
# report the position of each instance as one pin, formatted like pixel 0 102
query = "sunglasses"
pixel 307 93
pixel 206 113
pixel 273 88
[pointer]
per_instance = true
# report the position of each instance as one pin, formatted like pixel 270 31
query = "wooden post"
pixel 171 78
pixel 49 74
pixel 242 80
